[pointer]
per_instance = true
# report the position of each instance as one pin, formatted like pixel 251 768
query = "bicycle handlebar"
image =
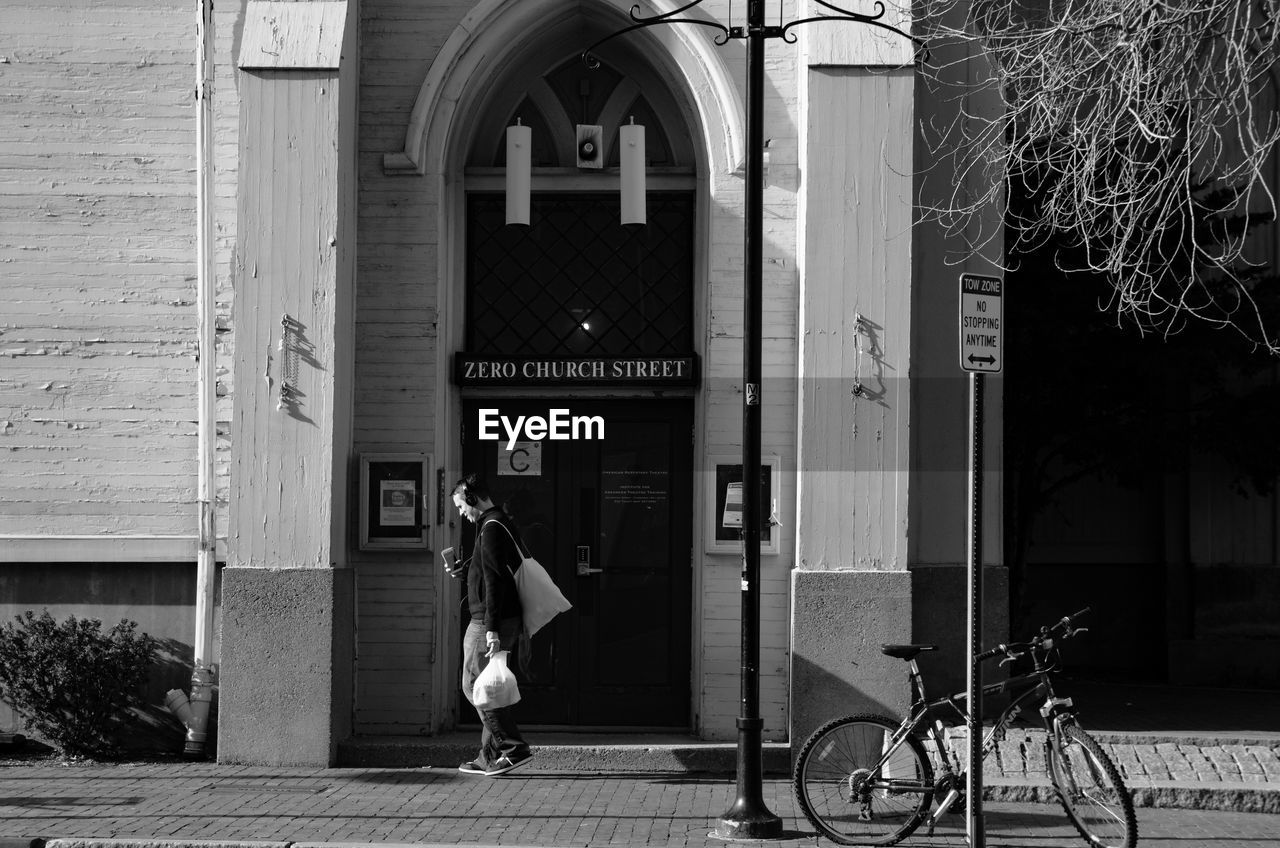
pixel 1067 619
pixel 1013 650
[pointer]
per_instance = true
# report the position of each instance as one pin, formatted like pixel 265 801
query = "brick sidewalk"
pixel 172 805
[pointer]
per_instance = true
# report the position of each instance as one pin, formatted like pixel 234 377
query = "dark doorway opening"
pixel 611 520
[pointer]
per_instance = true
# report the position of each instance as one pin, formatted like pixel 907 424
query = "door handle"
pixel 584 562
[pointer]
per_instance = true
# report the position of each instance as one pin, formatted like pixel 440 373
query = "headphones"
pixel 465 485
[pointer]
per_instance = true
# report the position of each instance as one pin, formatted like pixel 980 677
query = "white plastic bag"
pixel 496 687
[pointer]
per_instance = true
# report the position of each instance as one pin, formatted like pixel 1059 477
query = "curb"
pixel 1193 738
pixel 87 842
pixel 1230 798
pixel 90 842
pixel 1224 798
pixel 84 842
pixel 693 758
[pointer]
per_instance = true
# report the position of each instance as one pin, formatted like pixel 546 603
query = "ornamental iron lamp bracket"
pixel 729 33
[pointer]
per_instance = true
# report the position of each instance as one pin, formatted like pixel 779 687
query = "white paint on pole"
pixel 981 323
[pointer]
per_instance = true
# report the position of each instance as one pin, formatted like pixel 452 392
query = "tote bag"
pixel 540 598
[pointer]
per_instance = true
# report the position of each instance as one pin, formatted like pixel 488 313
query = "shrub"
pixel 71 681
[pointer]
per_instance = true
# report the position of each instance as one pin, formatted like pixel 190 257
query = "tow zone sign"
pixel 981 323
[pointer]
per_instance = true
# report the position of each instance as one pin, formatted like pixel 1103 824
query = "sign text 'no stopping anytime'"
pixel 981 323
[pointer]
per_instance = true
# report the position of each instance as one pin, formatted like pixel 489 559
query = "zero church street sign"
pixel 981 323
pixel 481 370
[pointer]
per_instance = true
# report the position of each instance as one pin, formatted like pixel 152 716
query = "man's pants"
pixel 500 736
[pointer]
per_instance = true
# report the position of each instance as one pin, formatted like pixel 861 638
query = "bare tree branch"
pixel 1141 130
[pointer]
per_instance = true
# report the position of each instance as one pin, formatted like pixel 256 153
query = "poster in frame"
pixel 724 483
pixel 395 501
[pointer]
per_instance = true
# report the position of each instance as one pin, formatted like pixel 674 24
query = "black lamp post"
pixel 749 817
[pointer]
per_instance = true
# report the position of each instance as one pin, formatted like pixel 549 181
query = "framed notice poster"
pixel 724 504
pixel 394 501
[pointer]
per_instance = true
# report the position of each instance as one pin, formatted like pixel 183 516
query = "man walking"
pixel 495 621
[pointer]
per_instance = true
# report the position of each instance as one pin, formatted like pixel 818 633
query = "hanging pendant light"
pixel 519 172
pixel 632 162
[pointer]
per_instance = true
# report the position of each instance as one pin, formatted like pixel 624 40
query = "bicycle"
pixel 867 780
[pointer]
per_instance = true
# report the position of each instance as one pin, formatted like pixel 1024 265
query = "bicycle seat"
pixel 905 652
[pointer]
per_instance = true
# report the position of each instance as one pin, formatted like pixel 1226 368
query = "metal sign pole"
pixel 973 812
pixel 981 351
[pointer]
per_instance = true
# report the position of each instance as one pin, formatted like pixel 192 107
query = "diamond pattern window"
pixel 578 283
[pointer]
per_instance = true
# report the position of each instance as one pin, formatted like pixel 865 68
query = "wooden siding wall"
pixel 287 265
pixel 97 268
pixel 858 264
pixel 396 358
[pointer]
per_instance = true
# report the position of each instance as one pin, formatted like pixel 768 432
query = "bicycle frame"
pixel 949 767
pixel 1041 691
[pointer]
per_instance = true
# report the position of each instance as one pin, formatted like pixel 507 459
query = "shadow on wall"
pixel 940 616
pixel 1236 602
pixel 1126 623
pixel 826 696
pixel 152 727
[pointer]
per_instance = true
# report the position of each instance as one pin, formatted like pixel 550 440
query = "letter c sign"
pixel 523 460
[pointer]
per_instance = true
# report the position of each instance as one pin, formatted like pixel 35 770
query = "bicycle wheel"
pixel 1091 790
pixel 852 792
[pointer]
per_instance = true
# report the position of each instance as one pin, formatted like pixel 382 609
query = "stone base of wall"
pixel 285 696
pixel 839 620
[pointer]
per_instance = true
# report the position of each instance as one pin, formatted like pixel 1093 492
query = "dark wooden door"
pixel 611 520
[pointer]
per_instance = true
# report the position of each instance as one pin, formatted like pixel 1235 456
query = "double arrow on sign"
pixel 986 359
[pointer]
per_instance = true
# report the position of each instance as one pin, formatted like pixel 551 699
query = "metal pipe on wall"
pixel 203 674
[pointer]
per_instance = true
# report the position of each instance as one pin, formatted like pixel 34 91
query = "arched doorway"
pixel 576 312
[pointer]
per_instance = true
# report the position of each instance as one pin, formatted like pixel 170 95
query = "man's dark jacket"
pixel 491 589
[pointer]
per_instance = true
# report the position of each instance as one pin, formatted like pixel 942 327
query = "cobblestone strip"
pixel 1180 768
pixel 1269 759
pixel 1127 760
pixel 1225 764
pixel 1202 769
pixel 1250 769
pixel 1021 756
